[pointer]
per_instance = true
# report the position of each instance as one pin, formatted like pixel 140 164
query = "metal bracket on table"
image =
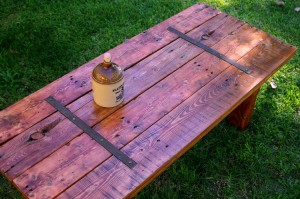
pixel 210 50
pixel 91 132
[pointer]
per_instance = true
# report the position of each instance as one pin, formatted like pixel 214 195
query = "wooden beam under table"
pixel 241 116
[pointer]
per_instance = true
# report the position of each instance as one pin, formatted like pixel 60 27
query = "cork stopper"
pixel 107 57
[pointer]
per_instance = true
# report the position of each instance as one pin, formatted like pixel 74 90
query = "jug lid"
pixel 107 72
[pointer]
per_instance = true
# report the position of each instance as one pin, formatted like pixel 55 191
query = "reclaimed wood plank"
pixel 22 115
pixel 22 141
pixel 174 134
pixel 138 79
pixel 135 117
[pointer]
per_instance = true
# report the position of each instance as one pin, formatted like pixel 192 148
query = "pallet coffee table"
pixel 175 93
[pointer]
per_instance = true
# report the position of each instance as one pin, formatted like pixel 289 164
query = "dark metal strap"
pixel 91 132
pixel 210 50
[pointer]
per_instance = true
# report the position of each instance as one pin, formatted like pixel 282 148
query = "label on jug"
pixel 119 92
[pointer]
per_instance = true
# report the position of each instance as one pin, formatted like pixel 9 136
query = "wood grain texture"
pixel 137 79
pixel 22 141
pixel 165 141
pixel 20 116
pixel 138 115
pixel 241 116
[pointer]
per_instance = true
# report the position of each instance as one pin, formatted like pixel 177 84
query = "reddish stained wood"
pixel 139 115
pixel 22 141
pixel 174 134
pixel 241 116
pixel 19 117
pixel 138 78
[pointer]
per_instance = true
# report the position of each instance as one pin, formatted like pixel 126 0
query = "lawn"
pixel 42 40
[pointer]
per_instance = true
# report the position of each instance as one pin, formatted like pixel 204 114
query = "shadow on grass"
pixel 7 190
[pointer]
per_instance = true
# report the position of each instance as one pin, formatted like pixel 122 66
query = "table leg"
pixel 241 115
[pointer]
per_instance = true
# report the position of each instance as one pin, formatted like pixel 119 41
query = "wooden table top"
pixel 175 93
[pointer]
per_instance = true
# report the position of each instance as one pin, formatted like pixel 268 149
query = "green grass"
pixel 42 40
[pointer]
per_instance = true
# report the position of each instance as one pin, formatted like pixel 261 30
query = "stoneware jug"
pixel 108 83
